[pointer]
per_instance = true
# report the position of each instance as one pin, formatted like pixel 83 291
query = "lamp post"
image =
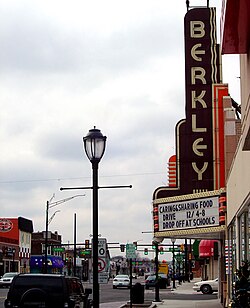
pixel 94 146
pixel 50 205
pixel 173 262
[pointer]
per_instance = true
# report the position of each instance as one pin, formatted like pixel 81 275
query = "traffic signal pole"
pixel 74 265
pixel 157 289
pixel 130 271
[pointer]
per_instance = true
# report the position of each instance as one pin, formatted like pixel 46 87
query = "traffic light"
pixel 122 247
pixel 145 251
pixel 66 256
pixel 135 244
pixel 182 247
pixel 86 244
pixel 161 250
pixel 153 245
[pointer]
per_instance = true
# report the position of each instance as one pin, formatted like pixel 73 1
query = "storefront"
pixel 55 264
pixel 238 246
pixel 235 39
pixel 15 244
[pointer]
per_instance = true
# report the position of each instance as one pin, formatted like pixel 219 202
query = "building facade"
pixel 55 252
pixel 235 39
pixel 38 243
pixel 15 244
pixel 208 194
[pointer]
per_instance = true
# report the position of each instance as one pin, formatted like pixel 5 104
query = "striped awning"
pixel 206 248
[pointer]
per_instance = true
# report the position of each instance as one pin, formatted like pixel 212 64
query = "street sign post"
pixel 130 251
pixel 102 277
pixel 175 249
pixel 102 261
pixel 58 249
pixel 102 247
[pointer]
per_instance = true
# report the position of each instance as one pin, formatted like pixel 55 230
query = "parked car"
pixel 6 279
pixel 164 281
pixel 146 275
pixel 47 290
pixel 206 286
pixel 121 281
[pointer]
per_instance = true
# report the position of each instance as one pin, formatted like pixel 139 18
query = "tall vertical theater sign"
pixel 192 202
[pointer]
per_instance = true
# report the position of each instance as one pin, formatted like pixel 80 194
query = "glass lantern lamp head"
pixel 94 145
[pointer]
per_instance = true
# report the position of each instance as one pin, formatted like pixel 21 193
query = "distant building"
pixel 15 244
pixel 38 243
pixel 55 252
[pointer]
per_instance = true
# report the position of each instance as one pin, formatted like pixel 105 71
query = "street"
pixel 110 295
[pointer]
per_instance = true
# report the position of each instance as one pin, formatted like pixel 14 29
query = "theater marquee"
pixel 195 202
pixel 193 213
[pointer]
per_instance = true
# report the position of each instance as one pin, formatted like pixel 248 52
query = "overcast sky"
pixel 67 66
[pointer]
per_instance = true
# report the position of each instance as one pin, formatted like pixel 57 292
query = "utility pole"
pixel 50 205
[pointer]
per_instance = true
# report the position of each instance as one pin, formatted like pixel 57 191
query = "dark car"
pixel 164 281
pixel 47 291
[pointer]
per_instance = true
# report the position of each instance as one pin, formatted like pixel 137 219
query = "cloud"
pixel 67 67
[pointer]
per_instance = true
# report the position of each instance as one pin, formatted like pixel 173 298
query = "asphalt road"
pixel 3 293
pixel 108 294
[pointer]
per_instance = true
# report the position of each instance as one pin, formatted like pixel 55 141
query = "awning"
pixel 196 244
pixel 53 261
pixel 235 24
pixel 206 248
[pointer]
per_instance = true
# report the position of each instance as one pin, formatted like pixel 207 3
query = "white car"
pixel 6 279
pixel 206 286
pixel 121 281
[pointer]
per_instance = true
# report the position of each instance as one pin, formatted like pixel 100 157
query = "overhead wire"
pixel 77 178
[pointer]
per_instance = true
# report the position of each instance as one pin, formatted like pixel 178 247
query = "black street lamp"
pixel 173 263
pixel 94 146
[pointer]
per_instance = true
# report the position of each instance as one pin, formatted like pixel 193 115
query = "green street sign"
pixel 85 252
pixel 59 249
pixel 175 250
pixel 130 251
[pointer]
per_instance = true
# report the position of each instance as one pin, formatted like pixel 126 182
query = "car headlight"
pixel 8 303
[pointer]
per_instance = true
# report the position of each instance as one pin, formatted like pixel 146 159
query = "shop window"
pixel 248 234
pixel 232 265
pixel 243 239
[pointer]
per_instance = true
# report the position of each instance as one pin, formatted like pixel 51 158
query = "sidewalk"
pixel 187 289
pixel 172 298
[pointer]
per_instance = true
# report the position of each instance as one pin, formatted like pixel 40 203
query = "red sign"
pixel 9 228
pixel 101 265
